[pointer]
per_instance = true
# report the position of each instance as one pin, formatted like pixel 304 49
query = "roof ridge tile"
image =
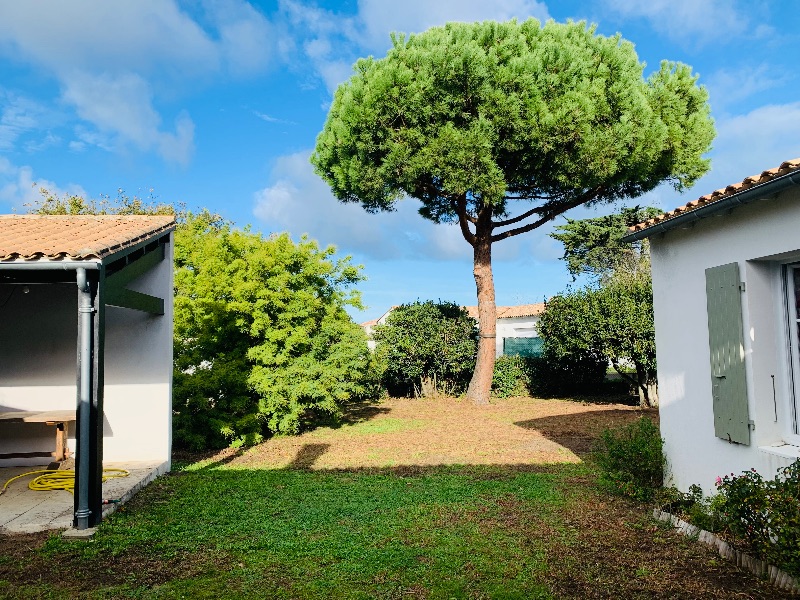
pixel 784 168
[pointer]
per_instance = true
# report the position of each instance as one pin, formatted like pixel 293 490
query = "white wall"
pixel 756 236
pixel 138 372
pixel 515 327
pixel 38 350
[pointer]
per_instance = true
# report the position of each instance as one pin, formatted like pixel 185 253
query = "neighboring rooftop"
pixel 509 312
pixel 503 312
pixel 707 201
pixel 76 237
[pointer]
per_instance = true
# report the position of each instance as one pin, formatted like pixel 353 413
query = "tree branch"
pixel 467 216
pixel 460 206
pixel 624 375
pixel 521 217
pixel 528 197
pixel 550 215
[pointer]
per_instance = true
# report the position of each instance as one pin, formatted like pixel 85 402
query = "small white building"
pixel 516 328
pixel 86 344
pixel 726 286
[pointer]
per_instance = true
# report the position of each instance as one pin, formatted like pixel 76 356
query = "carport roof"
pixel 76 237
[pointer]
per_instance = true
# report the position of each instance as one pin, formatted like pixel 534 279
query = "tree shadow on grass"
pixel 351 414
pixel 307 455
pixel 579 432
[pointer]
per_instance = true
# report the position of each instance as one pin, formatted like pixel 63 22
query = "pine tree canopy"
pixel 485 113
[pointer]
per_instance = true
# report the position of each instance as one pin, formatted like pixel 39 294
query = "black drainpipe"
pixel 85 361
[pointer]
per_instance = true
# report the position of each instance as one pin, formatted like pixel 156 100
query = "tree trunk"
pixel 480 386
pixel 648 389
pixel 652 393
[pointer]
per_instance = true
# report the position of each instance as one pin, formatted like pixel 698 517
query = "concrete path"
pixel 23 510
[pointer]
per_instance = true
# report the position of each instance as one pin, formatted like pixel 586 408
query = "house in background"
pixel 369 326
pixel 726 287
pixel 86 343
pixel 516 328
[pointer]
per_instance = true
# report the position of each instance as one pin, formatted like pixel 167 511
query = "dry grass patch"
pixel 445 431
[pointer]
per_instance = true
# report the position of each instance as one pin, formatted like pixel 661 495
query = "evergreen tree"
pixel 476 119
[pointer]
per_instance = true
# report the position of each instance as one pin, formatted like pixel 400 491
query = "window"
pixel 791 281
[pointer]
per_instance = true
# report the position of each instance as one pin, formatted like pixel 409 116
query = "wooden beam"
pixel 117 293
pixel 26 455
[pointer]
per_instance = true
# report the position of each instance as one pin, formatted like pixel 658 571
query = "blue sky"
pixel 218 103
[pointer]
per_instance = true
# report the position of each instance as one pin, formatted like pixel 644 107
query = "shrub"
pixel 631 459
pixel 611 324
pixel 263 343
pixel 765 514
pixel 427 347
pixel 704 512
pixel 552 375
pixel 510 376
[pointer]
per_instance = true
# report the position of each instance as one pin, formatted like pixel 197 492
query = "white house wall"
pixel 38 352
pixel 138 373
pixel 755 236
pixel 515 327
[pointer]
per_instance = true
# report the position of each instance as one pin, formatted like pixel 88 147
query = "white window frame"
pixel 791 320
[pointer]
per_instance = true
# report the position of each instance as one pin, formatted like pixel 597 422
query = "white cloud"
pixel 299 201
pixel 331 42
pixel 750 143
pixel 245 35
pixel 380 18
pixel 121 106
pixel 19 116
pixel 113 59
pixel 695 21
pixel 270 119
pixel 101 35
pixel 18 187
pixel 726 87
pixel 746 145
pixel 48 141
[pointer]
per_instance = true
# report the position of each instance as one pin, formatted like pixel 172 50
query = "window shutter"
pixel 728 379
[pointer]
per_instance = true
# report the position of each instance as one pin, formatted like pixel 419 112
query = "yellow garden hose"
pixel 59 480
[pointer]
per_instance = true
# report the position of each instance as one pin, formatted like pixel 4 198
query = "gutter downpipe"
pixel 86 317
pixel 746 197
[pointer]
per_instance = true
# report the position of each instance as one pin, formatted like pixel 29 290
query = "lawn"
pixel 407 499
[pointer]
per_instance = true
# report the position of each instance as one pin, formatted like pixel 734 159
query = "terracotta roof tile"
pixel 508 312
pixel 76 237
pixel 748 182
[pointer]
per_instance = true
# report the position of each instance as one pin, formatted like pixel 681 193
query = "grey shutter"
pixel 728 379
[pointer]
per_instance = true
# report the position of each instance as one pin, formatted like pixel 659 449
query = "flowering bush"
pixel 764 514
pixel 701 511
